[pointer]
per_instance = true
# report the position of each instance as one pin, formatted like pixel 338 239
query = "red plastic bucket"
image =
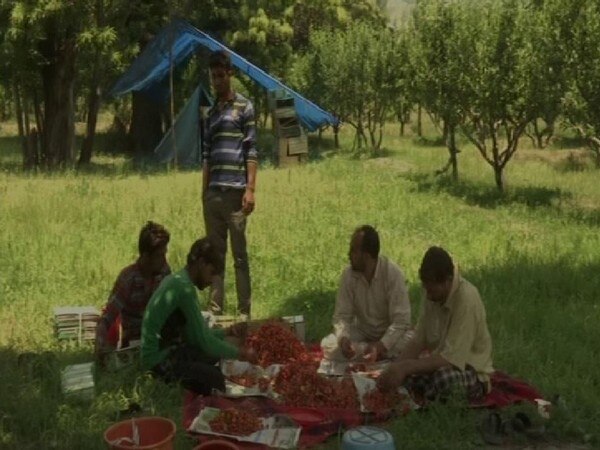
pixel 154 433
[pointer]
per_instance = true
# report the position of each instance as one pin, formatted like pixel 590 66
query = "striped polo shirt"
pixel 230 142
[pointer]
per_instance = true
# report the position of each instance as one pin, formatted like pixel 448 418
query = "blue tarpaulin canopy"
pixel 186 131
pixel 149 73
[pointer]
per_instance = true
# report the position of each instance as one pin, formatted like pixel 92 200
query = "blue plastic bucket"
pixel 372 438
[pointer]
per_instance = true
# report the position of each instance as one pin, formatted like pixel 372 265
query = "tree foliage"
pixel 501 77
pixel 43 39
pixel 582 102
pixel 441 49
pixel 357 74
pixel 492 70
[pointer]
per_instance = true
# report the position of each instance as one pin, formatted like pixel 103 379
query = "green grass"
pixel 534 254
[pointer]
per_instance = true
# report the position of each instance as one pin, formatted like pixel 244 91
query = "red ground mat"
pixel 507 390
pixel 319 424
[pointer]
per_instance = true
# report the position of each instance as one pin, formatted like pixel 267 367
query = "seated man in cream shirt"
pixel 453 329
pixel 372 310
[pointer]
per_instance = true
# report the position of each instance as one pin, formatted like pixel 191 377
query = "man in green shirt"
pixel 177 344
pixel 452 329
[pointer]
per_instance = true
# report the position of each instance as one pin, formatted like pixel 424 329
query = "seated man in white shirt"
pixel 372 311
pixel 453 329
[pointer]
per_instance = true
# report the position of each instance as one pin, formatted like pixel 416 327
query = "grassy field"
pixel 534 254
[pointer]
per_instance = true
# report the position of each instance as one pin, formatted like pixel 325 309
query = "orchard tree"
pixel 53 45
pixel 47 34
pixel 264 37
pixel 316 79
pixel 355 75
pixel 441 49
pixel 21 84
pixel 102 57
pixel 548 29
pixel 308 16
pixel 582 102
pixel 406 75
pixel 500 99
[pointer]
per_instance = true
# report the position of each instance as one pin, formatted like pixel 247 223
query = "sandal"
pixel 491 429
pixel 522 423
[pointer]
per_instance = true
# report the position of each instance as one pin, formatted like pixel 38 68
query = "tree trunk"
pixel 596 150
pixel 85 157
pixel 58 75
pixel 419 121
pixel 402 128
pixel 499 177
pixel 336 137
pixel 145 131
pixel 380 138
pixel 373 139
pixel 265 114
pixel 549 133
pixel 20 125
pixel 451 132
pixel 5 110
pixel 30 150
pixel 539 135
pixel 118 126
pixel 32 160
pixel 445 132
pixel 39 116
pixel 360 135
pixel 261 108
pixel 319 138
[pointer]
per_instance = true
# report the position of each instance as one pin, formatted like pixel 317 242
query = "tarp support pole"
pixel 171 42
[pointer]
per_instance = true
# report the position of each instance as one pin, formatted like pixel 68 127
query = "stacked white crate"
pixel 76 322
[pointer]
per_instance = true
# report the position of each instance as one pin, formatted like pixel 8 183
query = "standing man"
pixel 132 290
pixel 372 310
pixel 453 328
pixel 229 178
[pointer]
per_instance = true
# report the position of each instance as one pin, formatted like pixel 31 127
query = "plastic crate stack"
pixel 76 323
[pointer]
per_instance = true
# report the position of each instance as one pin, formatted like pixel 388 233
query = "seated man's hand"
pixel 248 354
pixel 101 347
pixel 99 344
pixel 346 347
pixel 391 378
pixel 375 351
pixel 238 330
